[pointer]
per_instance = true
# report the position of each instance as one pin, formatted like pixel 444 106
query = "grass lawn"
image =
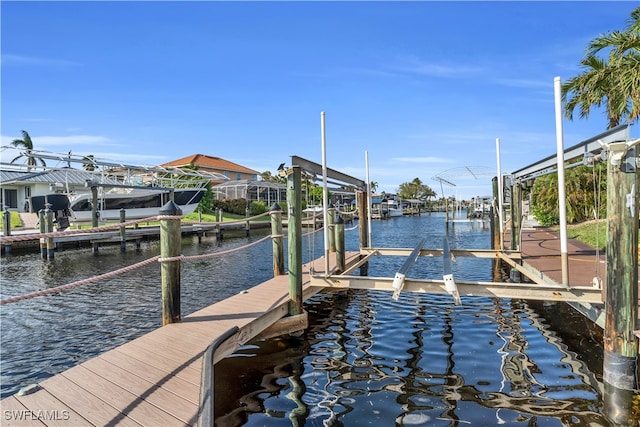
pixel 15 220
pixel 226 217
pixel 592 233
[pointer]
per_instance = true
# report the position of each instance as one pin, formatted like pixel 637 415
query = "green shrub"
pixel 545 218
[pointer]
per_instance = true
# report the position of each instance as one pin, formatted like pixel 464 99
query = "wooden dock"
pixel 155 380
pixel 541 251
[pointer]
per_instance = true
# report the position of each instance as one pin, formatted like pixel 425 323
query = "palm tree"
pixel 26 144
pixel 614 82
pixel 89 163
pixel 373 186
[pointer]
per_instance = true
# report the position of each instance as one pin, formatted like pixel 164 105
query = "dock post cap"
pixel 275 207
pixel 170 208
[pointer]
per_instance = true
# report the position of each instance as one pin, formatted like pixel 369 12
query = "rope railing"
pixel 237 221
pixel 75 284
pixel 128 269
pixel 115 227
pixel 100 229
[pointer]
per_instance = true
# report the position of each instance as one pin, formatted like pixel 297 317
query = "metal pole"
pixel 564 254
pixel 369 239
pixel 325 195
pixel 500 192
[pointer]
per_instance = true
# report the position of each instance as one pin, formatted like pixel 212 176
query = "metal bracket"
pixel 449 284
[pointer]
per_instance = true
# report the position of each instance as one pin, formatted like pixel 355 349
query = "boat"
pixel 137 203
pixel 74 194
pixel 392 208
pixel 76 208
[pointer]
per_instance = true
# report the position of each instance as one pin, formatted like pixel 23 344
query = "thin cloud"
pixel 11 59
pixel 421 159
pixel 525 83
pixel 72 140
pixel 415 65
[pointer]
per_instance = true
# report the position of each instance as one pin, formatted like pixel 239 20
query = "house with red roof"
pixel 233 171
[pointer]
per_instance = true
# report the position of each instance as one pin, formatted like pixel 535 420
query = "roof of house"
pixel 68 176
pixel 211 162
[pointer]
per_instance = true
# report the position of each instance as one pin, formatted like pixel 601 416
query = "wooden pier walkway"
pixel 155 380
pixel 541 250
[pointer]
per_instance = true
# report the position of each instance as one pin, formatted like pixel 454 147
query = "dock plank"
pixel 164 379
pixel 56 412
pixel 152 392
pixel 15 414
pixel 127 404
pixel 188 369
pixel 93 409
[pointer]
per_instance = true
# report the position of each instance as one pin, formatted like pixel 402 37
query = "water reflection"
pixel 365 359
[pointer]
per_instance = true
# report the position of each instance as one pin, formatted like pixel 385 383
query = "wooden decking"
pixel 153 380
pixel 541 250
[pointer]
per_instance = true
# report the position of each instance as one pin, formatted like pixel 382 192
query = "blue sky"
pixel 423 87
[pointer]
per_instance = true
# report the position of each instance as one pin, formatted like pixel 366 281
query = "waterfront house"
pixel 233 171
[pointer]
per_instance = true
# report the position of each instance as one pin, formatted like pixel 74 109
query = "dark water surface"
pixel 365 359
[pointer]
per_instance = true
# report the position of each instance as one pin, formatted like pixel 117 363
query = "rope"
pixel 35 236
pixel 238 221
pixel 126 270
pixel 134 266
pixel 78 283
pixel 214 254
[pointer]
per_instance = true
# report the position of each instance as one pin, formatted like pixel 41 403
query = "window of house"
pixel 9 199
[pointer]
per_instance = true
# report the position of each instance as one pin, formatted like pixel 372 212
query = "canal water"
pixel 365 358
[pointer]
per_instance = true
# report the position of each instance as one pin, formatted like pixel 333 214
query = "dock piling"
pixel 621 303
pixel 247 225
pixel 331 218
pixel 294 229
pixel 43 228
pixel 338 228
pixel 170 247
pixel 6 227
pixel 363 212
pixel 123 232
pixel 277 240
pixel 48 214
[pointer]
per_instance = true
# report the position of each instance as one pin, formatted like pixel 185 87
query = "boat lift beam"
pixel 589 146
pixel 316 169
pixel 398 280
pixel 540 292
